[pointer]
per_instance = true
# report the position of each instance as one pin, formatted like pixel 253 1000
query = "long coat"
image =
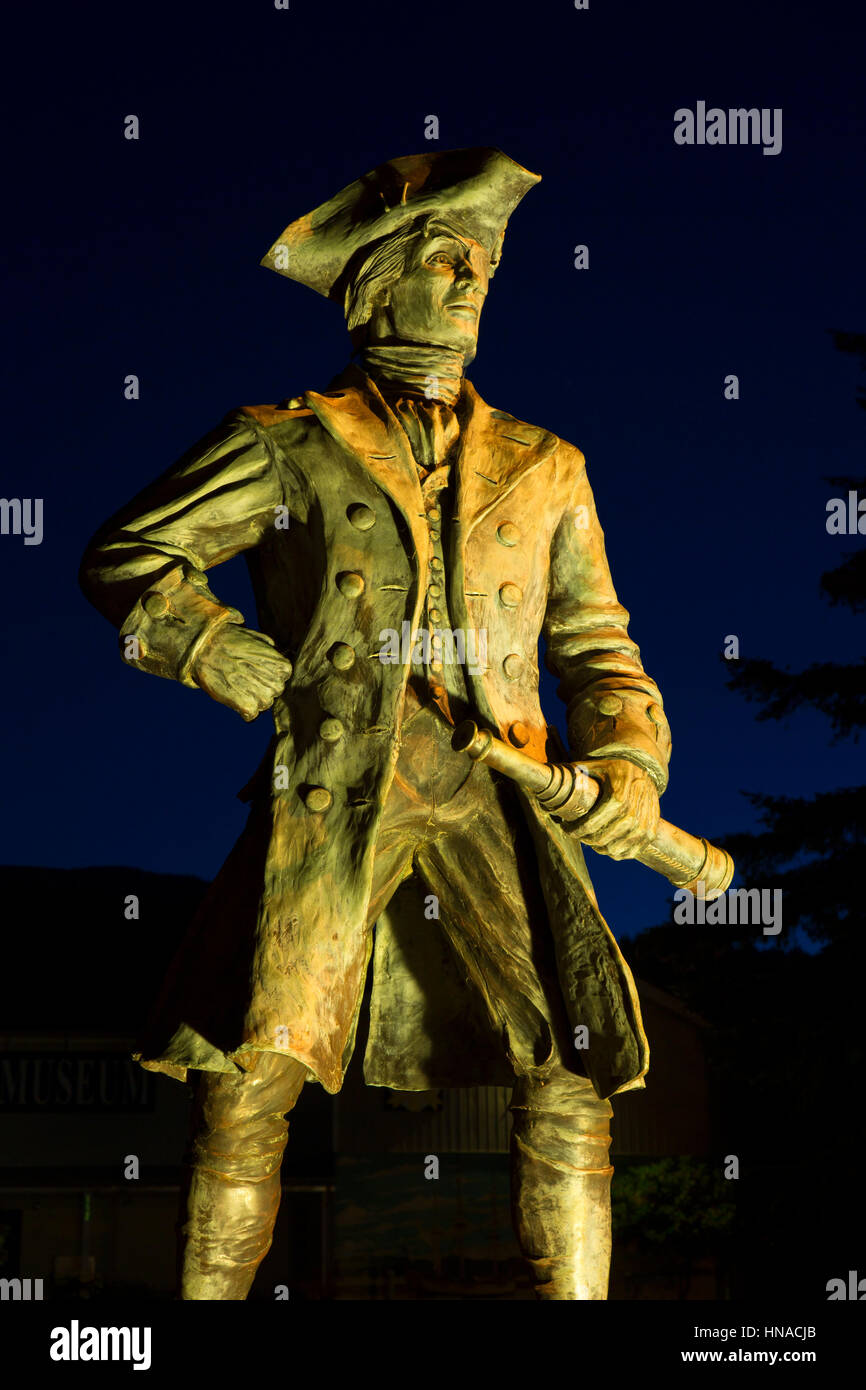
pixel 322 494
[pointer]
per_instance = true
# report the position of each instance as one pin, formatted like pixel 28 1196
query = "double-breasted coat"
pixel 322 494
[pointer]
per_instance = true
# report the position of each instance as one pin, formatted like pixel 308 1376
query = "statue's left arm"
pixel 616 722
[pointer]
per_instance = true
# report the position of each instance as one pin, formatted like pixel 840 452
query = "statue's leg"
pixel 560 1184
pixel 232 1194
pixel 239 1126
pixel 482 867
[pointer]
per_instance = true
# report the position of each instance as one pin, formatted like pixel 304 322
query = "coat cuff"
pixel 610 722
pixel 171 624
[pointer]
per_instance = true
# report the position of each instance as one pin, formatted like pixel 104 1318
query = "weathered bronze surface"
pixel 408 545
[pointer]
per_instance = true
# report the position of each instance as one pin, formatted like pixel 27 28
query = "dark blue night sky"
pixel 142 257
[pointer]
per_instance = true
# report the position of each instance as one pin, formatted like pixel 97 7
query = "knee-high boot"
pixel 232 1192
pixel 560 1185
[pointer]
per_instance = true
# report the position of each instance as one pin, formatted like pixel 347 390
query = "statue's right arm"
pixel 145 568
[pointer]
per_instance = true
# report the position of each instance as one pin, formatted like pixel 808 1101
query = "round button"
pixel 331 730
pixel 512 666
pixel 656 713
pixel 318 799
pixel 435 665
pixel 155 605
pixel 610 704
pixel 519 735
pixel 342 656
pixel 507 533
pixel 349 584
pixel 361 516
pixel 433 513
pixel 510 595
pixel 434 535
pixel 435 563
pixel 435 615
pixel 433 590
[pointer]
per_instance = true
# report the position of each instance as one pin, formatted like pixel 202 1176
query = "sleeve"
pixel 613 708
pixel 144 569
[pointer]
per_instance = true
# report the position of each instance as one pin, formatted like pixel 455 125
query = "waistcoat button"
pixel 512 666
pixel 342 656
pixel 318 799
pixel 349 584
pixel 510 595
pixel 361 516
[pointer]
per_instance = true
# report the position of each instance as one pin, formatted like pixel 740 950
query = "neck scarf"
pixel 415 369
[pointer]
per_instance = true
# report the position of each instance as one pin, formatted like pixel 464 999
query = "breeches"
pixel 459 832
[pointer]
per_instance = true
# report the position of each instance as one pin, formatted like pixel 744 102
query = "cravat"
pixel 431 429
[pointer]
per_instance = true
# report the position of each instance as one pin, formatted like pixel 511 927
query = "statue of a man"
pixel 408 546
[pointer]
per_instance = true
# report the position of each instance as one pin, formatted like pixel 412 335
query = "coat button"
pixel 656 713
pixel 512 666
pixel 507 533
pixel 349 584
pixel 510 595
pixel 610 704
pixel 155 605
pixel 318 799
pixel 361 516
pixel 434 615
pixel 435 563
pixel 342 656
pixel 519 735
pixel 331 730
pixel 433 513
pixel 433 590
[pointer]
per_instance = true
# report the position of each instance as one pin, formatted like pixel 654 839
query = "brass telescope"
pixel 567 793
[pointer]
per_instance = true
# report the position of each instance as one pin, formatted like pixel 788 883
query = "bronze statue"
pixel 408 545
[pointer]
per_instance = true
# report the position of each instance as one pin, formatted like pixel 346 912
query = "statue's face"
pixel 439 297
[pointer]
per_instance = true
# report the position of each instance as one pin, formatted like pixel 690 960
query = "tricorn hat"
pixel 476 190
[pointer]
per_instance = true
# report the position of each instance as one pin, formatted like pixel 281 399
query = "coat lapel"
pixel 354 413
pixel 495 452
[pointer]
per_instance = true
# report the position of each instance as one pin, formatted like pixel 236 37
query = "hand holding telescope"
pixel 568 793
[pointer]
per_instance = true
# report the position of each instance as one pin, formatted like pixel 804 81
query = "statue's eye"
pixel 439 258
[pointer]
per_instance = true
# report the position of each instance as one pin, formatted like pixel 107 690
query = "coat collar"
pixel 494 451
